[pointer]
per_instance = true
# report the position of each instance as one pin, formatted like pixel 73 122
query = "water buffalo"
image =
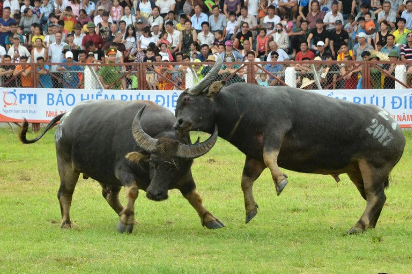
pixel 297 130
pixel 97 139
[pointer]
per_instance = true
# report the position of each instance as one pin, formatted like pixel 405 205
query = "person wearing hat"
pixel 100 14
pixel 105 4
pixel 109 75
pixel 307 83
pixel 318 34
pixel 375 73
pixel 389 82
pixel 361 47
pixel 92 36
pixel 314 14
pixel 230 55
pixel 332 16
pixel 322 51
pixel 70 71
pixel 17 50
pixel 337 37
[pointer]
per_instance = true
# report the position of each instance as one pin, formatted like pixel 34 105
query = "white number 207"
pixel 380 132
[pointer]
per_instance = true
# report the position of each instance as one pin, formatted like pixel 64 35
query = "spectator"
pixel 252 7
pixel 406 50
pixel 75 6
pixel 322 52
pixel 231 6
pixel 2 52
pixel 97 52
pixel 127 17
pixel 72 47
pixel 244 34
pixel 289 6
pixel 25 6
pixel 217 21
pixel 407 15
pixel 78 36
pixel 332 16
pixel 170 17
pixel 164 81
pixel 263 10
pixel 198 18
pixel 24 70
pixel 387 14
pixel 397 6
pixel 145 40
pixel 375 73
pixel 304 52
pixel 106 4
pixel 13 31
pixel 401 33
pixel 44 73
pixel 204 52
pixel 83 18
pixel 92 36
pixel 16 51
pixel 116 11
pixel 6 72
pixel 187 37
pixel 382 35
pixel 246 18
pixel 37 9
pixel 247 48
pixel 364 9
pixel 56 56
pixel 318 34
pixel 273 68
pixel 337 36
pixel 262 44
pixel 361 47
pixel 110 75
pixel 5 25
pixel 219 39
pixel 165 6
pixel 59 7
pixel 329 74
pixel 314 15
pixel 299 36
pixel 280 37
pixel 390 45
pixel 287 24
pixel 155 17
pixel 143 8
pixel 205 36
pixel 37 33
pixel 70 71
pixel 89 7
pixel 103 28
pixel 39 50
pixel 229 55
pixel 46 9
pixel 389 82
pixel 271 19
pixel 150 79
pixel 283 56
pixel 27 20
pixel 350 74
pixel 113 31
pixel 173 36
pixel 129 41
pixel 376 6
pixel 231 25
pixel 369 28
pixel 182 20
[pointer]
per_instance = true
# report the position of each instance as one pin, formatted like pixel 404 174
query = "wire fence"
pixel 313 75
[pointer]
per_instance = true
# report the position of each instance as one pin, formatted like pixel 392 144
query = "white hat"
pixel 154 24
pixel 165 58
pixel 306 82
pixel 69 54
pixel 361 35
pixel 320 44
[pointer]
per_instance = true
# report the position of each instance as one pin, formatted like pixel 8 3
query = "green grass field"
pixel 301 231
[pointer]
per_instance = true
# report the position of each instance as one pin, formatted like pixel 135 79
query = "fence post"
pixel 366 77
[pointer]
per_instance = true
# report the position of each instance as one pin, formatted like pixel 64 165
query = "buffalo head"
pixel 169 157
pixel 195 109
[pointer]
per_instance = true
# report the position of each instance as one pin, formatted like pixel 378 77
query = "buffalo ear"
pixel 137 157
pixel 215 88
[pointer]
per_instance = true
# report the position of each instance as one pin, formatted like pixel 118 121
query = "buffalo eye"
pixel 186 100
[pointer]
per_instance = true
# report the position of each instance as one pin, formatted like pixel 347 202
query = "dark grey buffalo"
pixel 300 131
pixel 98 139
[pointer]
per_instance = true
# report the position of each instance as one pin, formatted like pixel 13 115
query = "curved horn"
pixel 210 77
pixel 142 139
pixel 197 150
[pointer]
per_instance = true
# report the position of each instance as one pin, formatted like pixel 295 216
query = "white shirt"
pixel 330 18
pixel 129 20
pixel 55 54
pixel 78 39
pixel 275 20
pixel 173 38
pixel 22 52
pixel 12 4
pixel 283 56
pixel 164 6
pixel 206 39
pixel 230 27
pixel 2 52
pixel 252 7
pixel 98 19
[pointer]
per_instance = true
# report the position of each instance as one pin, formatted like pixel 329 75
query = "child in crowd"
pixel 150 79
pixel 376 6
pixel 369 27
pixel 287 23
pixel 262 79
pixel 231 24
pixel 37 9
pixel 116 12
pixel 181 25
pixel 262 44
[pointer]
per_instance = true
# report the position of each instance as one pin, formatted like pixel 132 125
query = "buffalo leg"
pixel 270 158
pixel 68 181
pixel 356 178
pixel 111 194
pixel 206 217
pixel 374 184
pixel 126 220
pixel 251 171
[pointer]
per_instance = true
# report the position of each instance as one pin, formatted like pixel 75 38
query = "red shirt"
pixel 300 55
pixel 97 40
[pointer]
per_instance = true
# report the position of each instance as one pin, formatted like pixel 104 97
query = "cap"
pixel 229 43
pixel 140 21
pixel 70 34
pixel 90 53
pixel 211 58
pixel 106 13
pixel 100 8
pixel 393 53
pixel 197 61
pixel 320 44
pixel 306 82
pixel 16 36
pixel 338 22
pixel 319 20
pixel 154 24
pixel 91 25
pixel 361 35
pixel 317 58
pixel 112 51
pixel 165 58
pixel 69 54
pixel 374 56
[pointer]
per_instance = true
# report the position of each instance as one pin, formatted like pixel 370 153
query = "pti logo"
pixel 9 98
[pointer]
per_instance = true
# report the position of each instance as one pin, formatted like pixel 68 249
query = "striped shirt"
pixel 406 51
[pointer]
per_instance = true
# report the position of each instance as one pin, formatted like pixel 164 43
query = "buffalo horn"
pixel 197 150
pixel 208 80
pixel 142 139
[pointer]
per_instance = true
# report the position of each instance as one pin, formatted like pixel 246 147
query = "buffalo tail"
pixel 25 127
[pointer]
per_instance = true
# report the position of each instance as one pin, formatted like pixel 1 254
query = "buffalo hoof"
pixel 123 228
pixel 66 225
pixel 355 230
pixel 215 224
pixel 281 186
pixel 250 215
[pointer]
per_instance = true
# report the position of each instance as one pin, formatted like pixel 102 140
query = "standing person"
pixel 6 72
pixel 116 11
pixel 350 74
pixel 24 70
pixel 78 35
pixel 103 28
pixel 70 71
pixel 361 46
pixel 75 6
pixel 92 36
pixel 217 21
pixel 198 18
pixel 387 15
pixel 39 50
pixel 188 36
pixel 5 25
pixel 262 44
pixel 271 19
pixel 389 82
pixel 109 75
pixel 16 51
pixel 338 37
pixel 44 73
pixel 56 56
pixel 89 7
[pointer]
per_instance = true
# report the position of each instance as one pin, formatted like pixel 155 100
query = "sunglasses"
pixel 409 36
pixel 274 57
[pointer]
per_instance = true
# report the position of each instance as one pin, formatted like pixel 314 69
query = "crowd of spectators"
pixel 104 32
